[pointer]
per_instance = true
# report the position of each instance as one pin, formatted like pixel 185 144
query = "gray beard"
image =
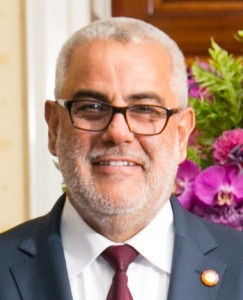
pixel 102 207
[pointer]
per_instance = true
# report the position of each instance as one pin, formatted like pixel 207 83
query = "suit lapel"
pixel 41 273
pixel 192 255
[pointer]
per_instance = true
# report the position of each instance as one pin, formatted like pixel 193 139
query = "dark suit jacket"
pixel 32 264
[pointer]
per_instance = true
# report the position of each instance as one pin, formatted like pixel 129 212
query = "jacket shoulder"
pixel 11 240
pixel 29 237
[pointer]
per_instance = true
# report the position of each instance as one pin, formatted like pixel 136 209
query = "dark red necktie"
pixel 119 258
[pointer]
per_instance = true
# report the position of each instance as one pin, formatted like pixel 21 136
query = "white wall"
pixel 48 24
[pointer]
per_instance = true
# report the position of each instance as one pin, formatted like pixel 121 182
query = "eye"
pixel 142 109
pixel 90 106
pixel 150 110
pixel 86 106
pixel 88 109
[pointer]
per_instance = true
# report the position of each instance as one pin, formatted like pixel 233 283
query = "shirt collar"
pixel 82 245
pixel 159 237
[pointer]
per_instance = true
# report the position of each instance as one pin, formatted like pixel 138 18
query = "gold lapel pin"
pixel 210 277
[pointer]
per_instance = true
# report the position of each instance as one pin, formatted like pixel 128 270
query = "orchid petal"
pixel 184 181
pixel 188 170
pixel 186 198
pixel 208 183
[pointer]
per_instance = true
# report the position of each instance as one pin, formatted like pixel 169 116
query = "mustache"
pixel 118 152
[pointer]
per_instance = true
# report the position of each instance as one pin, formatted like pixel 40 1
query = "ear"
pixel 51 116
pixel 185 128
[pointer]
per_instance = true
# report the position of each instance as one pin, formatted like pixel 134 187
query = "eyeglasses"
pixel 142 119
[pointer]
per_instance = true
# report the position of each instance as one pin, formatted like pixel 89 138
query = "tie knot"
pixel 119 257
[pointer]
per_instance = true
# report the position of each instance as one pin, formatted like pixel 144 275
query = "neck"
pixel 117 228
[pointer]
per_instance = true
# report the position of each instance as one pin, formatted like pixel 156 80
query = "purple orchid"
pixel 219 186
pixel 219 194
pixel 186 174
pixel 216 191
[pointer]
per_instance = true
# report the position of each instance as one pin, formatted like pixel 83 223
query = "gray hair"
pixel 126 30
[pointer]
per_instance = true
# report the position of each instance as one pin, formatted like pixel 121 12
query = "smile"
pixel 116 163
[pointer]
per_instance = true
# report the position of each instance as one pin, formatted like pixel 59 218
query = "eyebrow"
pixel 147 95
pixel 104 98
pixel 90 94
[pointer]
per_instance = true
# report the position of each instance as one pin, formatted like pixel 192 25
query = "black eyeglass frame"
pixel 67 104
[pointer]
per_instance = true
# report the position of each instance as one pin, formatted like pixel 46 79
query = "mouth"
pixel 119 163
pixel 121 168
pixel 113 160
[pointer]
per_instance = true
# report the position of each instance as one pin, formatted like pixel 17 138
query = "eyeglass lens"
pixel 141 119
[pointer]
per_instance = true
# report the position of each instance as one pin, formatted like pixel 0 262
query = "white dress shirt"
pixel 90 275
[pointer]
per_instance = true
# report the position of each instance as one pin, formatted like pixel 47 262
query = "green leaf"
pixel 222 109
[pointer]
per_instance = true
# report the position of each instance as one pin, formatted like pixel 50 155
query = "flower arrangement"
pixel 210 182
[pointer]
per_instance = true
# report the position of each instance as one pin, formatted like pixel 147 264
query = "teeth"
pixel 117 163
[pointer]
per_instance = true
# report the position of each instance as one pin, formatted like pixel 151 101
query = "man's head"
pixel 119 177
pixel 124 31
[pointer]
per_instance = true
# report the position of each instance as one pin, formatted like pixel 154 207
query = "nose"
pixel 118 131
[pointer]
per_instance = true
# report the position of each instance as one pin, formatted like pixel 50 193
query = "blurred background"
pixel 31 34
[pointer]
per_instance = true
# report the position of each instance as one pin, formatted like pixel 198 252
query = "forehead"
pixel 116 66
pixel 102 51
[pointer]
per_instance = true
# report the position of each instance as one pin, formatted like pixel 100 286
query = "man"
pixel 119 127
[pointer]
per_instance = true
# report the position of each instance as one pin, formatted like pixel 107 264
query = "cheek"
pixel 71 140
pixel 162 149
pixel 154 146
pixel 72 150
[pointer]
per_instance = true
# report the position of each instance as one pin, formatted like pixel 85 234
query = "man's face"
pixel 116 172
